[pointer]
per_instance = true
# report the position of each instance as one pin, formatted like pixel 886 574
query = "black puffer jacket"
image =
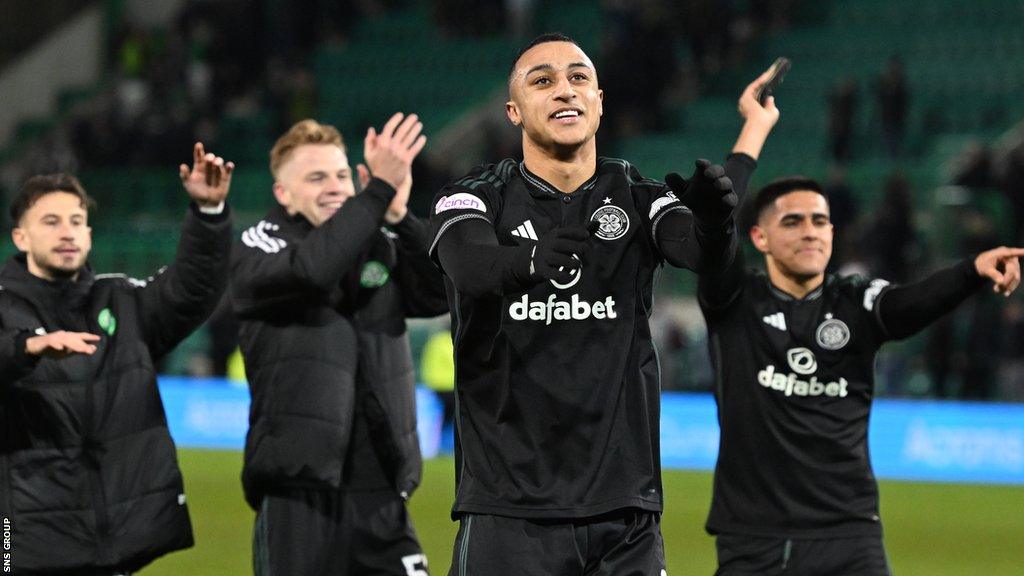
pixel 88 472
pixel 322 330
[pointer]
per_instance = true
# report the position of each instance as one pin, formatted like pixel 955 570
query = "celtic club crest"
pixel 612 222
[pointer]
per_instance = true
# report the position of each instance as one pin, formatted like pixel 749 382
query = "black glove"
pixel 708 194
pixel 556 255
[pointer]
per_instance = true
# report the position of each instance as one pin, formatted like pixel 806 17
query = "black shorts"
pixel 740 555
pixel 338 533
pixel 626 543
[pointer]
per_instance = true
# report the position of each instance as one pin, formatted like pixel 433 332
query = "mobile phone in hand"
pixel 778 69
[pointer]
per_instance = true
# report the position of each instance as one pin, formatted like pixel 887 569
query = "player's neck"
pixel 795 286
pixel 566 170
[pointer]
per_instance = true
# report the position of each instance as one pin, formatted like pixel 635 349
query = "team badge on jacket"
pixel 374 275
pixel 612 222
pixel 833 333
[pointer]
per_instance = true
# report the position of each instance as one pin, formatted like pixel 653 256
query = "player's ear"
pixel 282 195
pixel 19 238
pixel 512 111
pixel 759 238
pixel 600 102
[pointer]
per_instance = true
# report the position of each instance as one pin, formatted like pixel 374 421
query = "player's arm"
pixel 181 297
pixel 470 255
pixel 904 310
pixel 699 233
pixel 718 289
pixel 21 350
pixel 714 194
pixel 421 283
pixel 15 361
pixel 264 276
pixel 758 120
pixel 703 237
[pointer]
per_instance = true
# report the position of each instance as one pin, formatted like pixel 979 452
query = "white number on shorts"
pixel 415 564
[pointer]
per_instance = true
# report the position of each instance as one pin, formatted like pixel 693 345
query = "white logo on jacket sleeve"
pixel 668 198
pixel 257 237
pixel 871 294
pixel 460 201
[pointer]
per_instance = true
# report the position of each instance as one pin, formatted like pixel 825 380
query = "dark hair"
pixel 542 39
pixel 771 192
pixel 43 184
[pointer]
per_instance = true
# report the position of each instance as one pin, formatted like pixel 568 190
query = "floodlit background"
pixel 909 110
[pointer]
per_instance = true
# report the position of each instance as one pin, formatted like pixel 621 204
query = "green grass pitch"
pixel 931 529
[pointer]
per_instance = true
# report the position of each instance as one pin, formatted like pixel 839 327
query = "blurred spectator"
pixel 706 24
pixel 291 91
pixel 294 27
pixel 981 349
pixel 437 369
pixel 843 212
pixel 842 109
pixel 890 238
pixel 1011 368
pixel 638 64
pixel 1008 165
pixel 772 15
pixel 964 349
pixel 222 327
pixel 520 17
pixel 469 17
pixel 939 355
pixel 893 101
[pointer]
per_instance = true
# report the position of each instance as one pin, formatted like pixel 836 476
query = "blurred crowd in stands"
pixel 238 58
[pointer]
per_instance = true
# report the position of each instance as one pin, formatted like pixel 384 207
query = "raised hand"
pixel 751 110
pixel 209 180
pixel 1000 265
pixel 399 204
pixel 390 153
pixel 758 120
pixel 61 344
pixel 708 194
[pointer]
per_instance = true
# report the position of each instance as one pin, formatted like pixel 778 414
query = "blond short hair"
pixel 303 132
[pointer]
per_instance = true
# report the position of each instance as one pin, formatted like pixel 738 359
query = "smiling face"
pixel 314 181
pixel 54 233
pixel 795 235
pixel 555 96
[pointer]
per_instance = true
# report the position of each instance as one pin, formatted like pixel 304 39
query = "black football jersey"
pixel 558 387
pixel 794 385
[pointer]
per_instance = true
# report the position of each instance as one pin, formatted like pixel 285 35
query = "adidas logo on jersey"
pixel 777 320
pixel 553 309
pixel 525 230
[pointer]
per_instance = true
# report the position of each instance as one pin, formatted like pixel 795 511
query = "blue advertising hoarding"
pixel 214 413
pixel 909 439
